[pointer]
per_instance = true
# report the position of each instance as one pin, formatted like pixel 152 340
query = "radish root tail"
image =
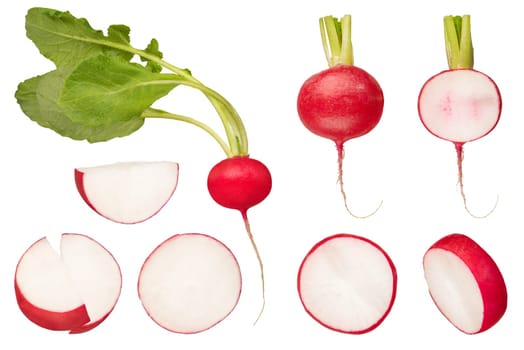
pixel 340 152
pixel 261 265
pixel 460 157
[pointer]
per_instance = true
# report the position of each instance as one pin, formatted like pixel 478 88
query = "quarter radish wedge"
pixel 465 283
pixel 189 283
pixel 347 283
pixel 460 104
pixel 72 290
pixel 127 192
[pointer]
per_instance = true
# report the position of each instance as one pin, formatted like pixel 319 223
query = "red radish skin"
pixel 347 283
pixel 441 260
pixel 240 183
pixel 342 102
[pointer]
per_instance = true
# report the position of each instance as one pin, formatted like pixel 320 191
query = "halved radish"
pixel 465 283
pixel 127 192
pixel 347 283
pixel 71 290
pixel 189 283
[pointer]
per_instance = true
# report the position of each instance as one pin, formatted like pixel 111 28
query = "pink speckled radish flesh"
pixel 465 283
pixel 127 192
pixel 73 289
pixel 347 283
pixel 189 283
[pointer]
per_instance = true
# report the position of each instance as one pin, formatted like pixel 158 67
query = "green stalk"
pixel 459 46
pixel 336 40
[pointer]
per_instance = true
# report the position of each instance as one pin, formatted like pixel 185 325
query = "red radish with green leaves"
pixel 465 283
pixel 344 101
pixel 97 93
pixel 347 283
pixel 460 104
pixel 73 287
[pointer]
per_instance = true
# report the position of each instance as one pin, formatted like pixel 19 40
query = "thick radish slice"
pixel 460 105
pixel 465 283
pixel 189 283
pixel 127 192
pixel 73 290
pixel 347 283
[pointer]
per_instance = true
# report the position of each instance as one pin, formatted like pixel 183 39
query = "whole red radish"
pixel 460 104
pixel 344 101
pixel 465 283
pixel 241 182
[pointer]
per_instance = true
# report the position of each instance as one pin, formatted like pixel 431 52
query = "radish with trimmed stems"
pixel 73 289
pixel 98 93
pixel 465 283
pixel 344 101
pixel 189 283
pixel 460 104
pixel 127 192
pixel 347 283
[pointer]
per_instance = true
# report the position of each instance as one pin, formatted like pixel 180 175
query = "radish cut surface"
pixel 127 192
pixel 347 283
pixel 189 283
pixel 465 283
pixel 71 290
pixel 460 105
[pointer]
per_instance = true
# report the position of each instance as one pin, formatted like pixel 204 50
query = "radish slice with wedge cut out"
pixel 73 290
pixel 347 283
pixel 127 192
pixel 189 283
pixel 465 283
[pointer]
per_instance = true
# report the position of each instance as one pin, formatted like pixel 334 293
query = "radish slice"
pixel 71 290
pixel 460 105
pixel 347 283
pixel 465 283
pixel 189 283
pixel 127 192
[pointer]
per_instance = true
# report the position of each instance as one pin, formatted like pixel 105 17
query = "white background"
pixel 257 54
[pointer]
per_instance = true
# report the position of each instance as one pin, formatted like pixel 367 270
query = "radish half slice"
pixel 71 290
pixel 465 283
pixel 127 192
pixel 347 283
pixel 189 283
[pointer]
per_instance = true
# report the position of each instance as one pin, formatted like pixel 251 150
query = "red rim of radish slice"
pixel 91 288
pixel 465 283
pixel 347 275
pixel 195 293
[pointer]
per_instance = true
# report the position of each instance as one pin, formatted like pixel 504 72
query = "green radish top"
pixel 336 39
pixel 96 93
pixel 459 47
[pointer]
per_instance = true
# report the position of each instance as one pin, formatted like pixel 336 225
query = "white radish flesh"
pixel 127 192
pixel 189 283
pixel 347 283
pixel 72 290
pixel 465 283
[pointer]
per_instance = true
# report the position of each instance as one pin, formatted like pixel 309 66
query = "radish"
pixel 127 192
pixel 460 104
pixel 189 283
pixel 72 290
pixel 103 88
pixel 465 283
pixel 342 102
pixel 347 283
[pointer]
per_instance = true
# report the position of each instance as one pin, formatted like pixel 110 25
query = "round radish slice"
pixel 460 105
pixel 73 289
pixel 347 283
pixel 465 283
pixel 127 192
pixel 189 283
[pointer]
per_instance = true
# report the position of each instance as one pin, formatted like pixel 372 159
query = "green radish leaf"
pixel 152 48
pixel 102 90
pixel 38 96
